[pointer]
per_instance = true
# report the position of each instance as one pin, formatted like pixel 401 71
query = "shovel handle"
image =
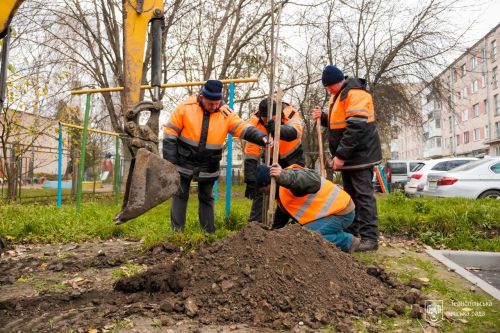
pixel 320 144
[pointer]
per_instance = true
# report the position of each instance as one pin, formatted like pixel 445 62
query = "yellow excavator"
pixel 151 179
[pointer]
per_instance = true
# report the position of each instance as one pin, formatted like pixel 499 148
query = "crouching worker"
pixel 313 201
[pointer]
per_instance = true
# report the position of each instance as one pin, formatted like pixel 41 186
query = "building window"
pixel 466 137
pixel 475 134
pixel 487 132
pixel 497 151
pixel 497 105
pixel 473 62
pixel 483 54
pixel 497 130
pixel 457 140
pixel 485 102
pixel 464 92
pixel 450 123
pixel 438 123
pixel 475 109
pixel 465 115
pixel 462 70
pixel 483 81
pixel 438 142
pixel 495 78
pixel 494 50
pixel 474 86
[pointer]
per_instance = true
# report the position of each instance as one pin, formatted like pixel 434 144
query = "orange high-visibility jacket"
pixel 193 139
pixel 353 131
pixel 291 121
pixel 328 200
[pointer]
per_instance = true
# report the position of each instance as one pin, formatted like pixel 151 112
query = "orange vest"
pixel 357 103
pixel 330 199
pixel 292 118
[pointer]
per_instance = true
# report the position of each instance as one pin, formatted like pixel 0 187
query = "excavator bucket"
pixel 151 181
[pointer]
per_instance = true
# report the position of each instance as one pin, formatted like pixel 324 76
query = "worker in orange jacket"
pixel 290 152
pixel 193 141
pixel 355 146
pixel 313 201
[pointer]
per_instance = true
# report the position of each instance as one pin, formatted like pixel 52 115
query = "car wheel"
pixel 493 194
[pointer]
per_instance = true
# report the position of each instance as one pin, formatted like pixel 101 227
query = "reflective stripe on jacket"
pixel 328 200
pixel 353 130
pixel 291 152
pixel 194 138
pixel 291 119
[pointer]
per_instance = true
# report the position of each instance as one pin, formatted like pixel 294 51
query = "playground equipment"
pixel 151 179
pixel 144 196
pixel 81 167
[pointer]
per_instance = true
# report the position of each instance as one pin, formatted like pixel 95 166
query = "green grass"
pixel 454 222
pixel 36 223
pixel 486 318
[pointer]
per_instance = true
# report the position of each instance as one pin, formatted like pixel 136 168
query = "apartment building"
pixel 461 108
pixel 471 114
pixel 409 143
pixel 35 137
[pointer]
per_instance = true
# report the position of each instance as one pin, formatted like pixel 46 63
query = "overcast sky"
pixel 484 15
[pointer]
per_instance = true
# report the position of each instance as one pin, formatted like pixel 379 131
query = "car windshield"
pixel 472 165
pixel 417 167
pixel 398 168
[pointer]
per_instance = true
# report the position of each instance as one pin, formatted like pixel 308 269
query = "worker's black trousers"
pixel 280 218
pixel 358 183
pixel 205 209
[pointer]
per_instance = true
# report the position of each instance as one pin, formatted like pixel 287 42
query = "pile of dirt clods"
pixel 268 278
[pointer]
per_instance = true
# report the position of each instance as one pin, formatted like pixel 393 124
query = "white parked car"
pixel 477 179
pixel 418 176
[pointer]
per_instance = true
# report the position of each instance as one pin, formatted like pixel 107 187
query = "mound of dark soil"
pixel 268 278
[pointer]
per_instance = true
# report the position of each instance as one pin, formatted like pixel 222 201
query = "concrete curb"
pixel 484 260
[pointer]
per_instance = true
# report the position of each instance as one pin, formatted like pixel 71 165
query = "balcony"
pixel 494 139
pixel 433 152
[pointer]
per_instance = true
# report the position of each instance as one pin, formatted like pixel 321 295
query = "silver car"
pixel 477 179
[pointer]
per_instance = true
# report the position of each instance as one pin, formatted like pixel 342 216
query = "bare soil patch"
pixel 256 279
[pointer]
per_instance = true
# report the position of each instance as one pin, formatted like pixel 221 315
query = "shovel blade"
pixel 151 181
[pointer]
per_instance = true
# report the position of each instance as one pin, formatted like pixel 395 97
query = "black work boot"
pixel 368 245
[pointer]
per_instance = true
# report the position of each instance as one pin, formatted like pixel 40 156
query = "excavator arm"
pixel 7 11
pixel 151 179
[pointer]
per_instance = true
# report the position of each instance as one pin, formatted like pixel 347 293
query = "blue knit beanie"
pixel 331 75
pixel 212 89
pixel 263 176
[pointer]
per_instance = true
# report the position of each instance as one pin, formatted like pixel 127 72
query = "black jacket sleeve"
pixel 300 181
pixel 287 132
pixel 352 136
pixel 324 119
pixel 170 150
pixel 254 135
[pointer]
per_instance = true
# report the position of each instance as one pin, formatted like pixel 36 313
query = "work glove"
pixel 270 126
pixel 250 190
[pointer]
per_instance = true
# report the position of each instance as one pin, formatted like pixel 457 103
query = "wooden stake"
pixel 320 144
pixel 276 155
